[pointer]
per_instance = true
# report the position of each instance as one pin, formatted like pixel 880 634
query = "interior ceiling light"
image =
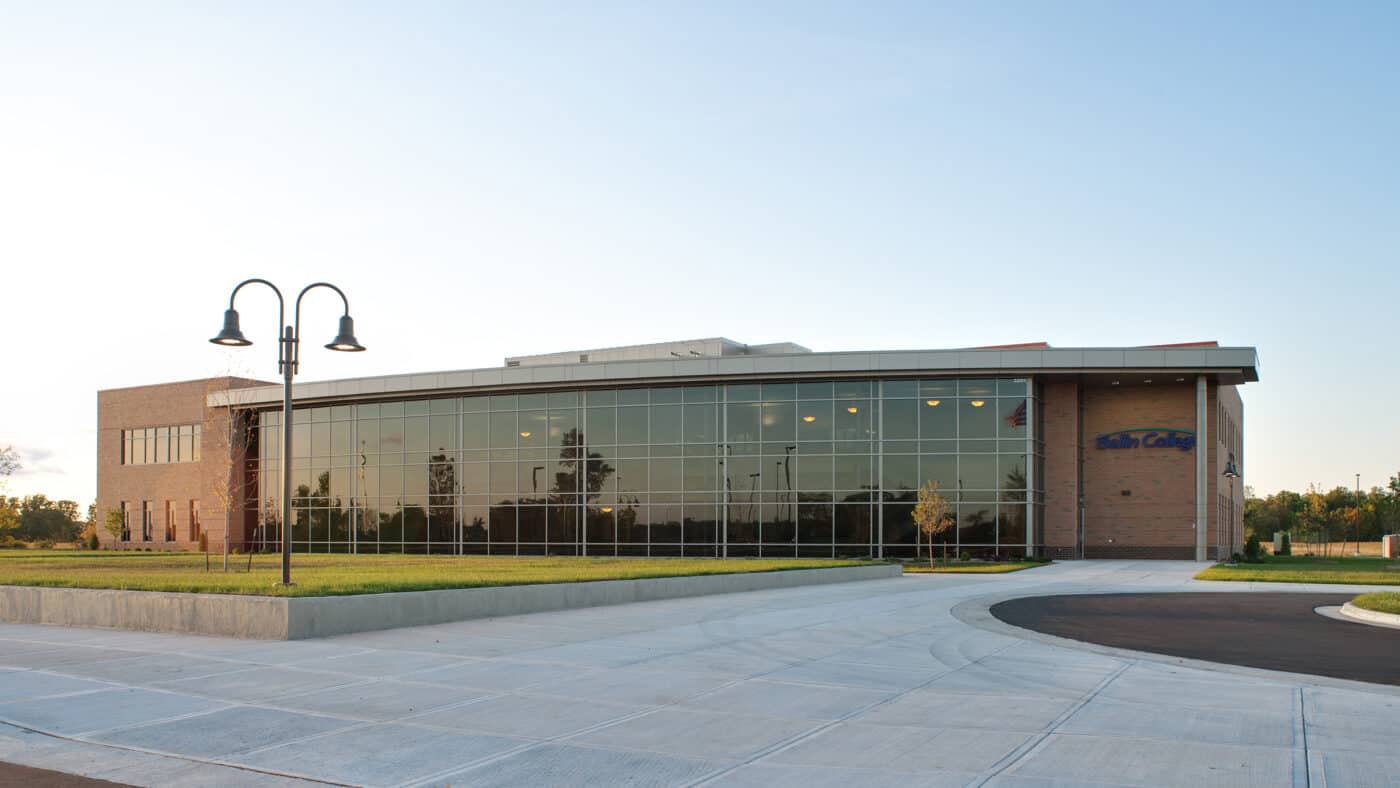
pixel 1181 380
pixel 525 434
pixel 1149 380
pixel 809 419
pixel 852 409
pixel 933 403
pixel 607 510
pixel 977 403
pixel 1115 382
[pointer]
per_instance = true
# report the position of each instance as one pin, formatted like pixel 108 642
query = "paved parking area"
pixel 871 683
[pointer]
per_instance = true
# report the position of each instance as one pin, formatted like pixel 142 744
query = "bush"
pixel 1236 558
pixel 1286 547
pixel 1253 553
pixel 92 543
pixel 966 556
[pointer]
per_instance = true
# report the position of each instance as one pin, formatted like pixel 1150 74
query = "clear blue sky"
pixel 510 178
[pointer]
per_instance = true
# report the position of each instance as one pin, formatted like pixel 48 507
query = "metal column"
pixel 1202 509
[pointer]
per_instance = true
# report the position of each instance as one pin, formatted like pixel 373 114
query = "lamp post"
pixel 1232 472
pixel 287 362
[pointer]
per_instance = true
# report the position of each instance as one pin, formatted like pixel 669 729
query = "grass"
pixel 1310 569
pixel 971 567
pixel 1381 602
pixel 334 575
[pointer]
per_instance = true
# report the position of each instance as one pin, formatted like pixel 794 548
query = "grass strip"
pixel 971 568
pixel 341 574
pixel 1381 602
pixel 1309 569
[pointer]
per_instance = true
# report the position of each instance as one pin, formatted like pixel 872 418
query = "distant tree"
pixel 933 516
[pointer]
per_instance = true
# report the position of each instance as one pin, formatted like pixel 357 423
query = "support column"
pixel 1031 481
pixel 1202 454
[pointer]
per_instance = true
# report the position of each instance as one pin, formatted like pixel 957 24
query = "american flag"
pixel 1018 416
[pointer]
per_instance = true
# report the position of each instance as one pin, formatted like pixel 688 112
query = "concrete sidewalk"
pixel 872 683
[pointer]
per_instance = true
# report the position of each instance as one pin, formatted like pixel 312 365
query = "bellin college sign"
pixel 1147 438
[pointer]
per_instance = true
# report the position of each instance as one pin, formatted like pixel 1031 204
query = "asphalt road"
pixel 12 775
pixel 1277 631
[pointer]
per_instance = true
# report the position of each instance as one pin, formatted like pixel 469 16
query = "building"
pixel 703 448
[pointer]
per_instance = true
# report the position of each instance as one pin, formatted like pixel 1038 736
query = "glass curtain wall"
pixel 754 469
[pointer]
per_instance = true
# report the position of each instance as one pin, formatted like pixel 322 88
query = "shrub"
pixel 92 543
pixel 1286 548
pixel 1253 553
pixel 1236 558
pixel 965 556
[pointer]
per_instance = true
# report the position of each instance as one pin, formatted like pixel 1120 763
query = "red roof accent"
pixel 1209 343
pixel 1016 346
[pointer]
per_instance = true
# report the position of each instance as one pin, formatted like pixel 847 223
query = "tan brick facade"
pixel 176 484
pixel 1141 501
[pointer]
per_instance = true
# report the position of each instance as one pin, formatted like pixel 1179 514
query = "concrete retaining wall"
pixel 295 618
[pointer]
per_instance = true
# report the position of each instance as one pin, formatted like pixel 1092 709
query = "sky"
pixel 493 179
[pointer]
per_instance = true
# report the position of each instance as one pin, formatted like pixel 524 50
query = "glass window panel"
pixel 1011 387
pixel 390 409
pixel 977 524
pixel 563 427
pixel 390 481
pixel 666 524
pixel 977 471
pixel 941 468
pixel 779 391
pixel 562 526
pixel 977 418
pixel 473 476
pixel 901 472
pixel 503 434
pixel 633 396
pixel 601 397
pixel 667 396
pixel 632 425
pixel 901 419
pixel 532 429
pixel 778 526
pixel 814 391
pixel 475 430
pixel 852 523
pixel 632 476
pixel 665 423
pixel 700 393
pixel 340 438
pixel 1011 526
pixel 321 439
pixel 534 478
pixel 938 447
pixel 743 475
pixel 320 414
pixel 418 407
pixel 1013 471
pixel 301 439
pixel 977 387
pixel 391 437
pixel 442 433
pixel 532 401
pixel 977 446
pixel 743 421
pixel 601 426
pixel 475 404
pixel 779 420
pixel 900 388
pixel 899 526
pixel 814 472
pixel 563 399
pixel 814 421
pixel 530 520
pixel 814 523
pixel 747 392
pixel 666 474
pixel 852 472
pixel 701 473
pixel 938 418
pixel 416 436
pixel 859 389
pixel 501 526
pixel 938 388
pixel 503 477
pixel 1012 418
pixel 700 424
pixel 852 419
pixel 503 402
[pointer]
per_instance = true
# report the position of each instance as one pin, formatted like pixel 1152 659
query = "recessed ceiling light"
pixel 1148 380
pixel 525 434
pixel 977 403
pixel 933 403
pixel 809 419
pixel 1115 382
pixel 852 409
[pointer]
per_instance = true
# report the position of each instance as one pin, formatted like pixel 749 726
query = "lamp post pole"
pixel 287 361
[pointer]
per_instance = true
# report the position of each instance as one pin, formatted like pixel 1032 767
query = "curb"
pixel 1364 616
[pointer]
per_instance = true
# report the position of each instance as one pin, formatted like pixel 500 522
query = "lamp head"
pixel 345 338
pixel 231 336
pixel 1232 470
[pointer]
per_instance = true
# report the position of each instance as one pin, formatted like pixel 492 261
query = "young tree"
pixel 115 524
pixel 226 444
pixel 933 516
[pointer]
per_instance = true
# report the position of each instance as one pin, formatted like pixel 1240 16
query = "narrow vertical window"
pixel 198 430
pixel 126 522
pixel 145 521
pixel 170 521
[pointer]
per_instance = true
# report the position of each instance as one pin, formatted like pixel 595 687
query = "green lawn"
pixel 331 575
pixel 971 567
pixel 1309 569
pixel 1381 602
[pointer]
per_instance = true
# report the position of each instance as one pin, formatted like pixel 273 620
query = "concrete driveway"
pixel 894 682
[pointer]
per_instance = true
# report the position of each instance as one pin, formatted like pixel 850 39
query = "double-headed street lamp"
pixel 287 358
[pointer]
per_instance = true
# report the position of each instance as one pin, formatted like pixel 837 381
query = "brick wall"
pixel 158 406
pixel 1060 432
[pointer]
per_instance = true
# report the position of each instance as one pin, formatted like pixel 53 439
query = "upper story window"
pixel 161 445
